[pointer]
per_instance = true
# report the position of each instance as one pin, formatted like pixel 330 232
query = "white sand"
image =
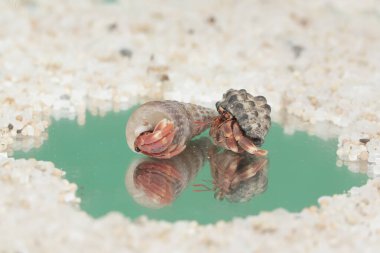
pixel 317 62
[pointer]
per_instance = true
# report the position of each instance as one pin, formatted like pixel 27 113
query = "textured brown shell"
pixel 252 113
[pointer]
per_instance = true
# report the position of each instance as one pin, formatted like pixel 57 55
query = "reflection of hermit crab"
pixel 236 177
pixel 162 129
pixel 243 122
pixel 155 183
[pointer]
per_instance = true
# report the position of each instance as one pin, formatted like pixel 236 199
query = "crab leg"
pixel 229 136
pixel 199 125
pixel 245 143
pixel 204 188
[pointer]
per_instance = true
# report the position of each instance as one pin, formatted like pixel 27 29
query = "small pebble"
pixel 125 52
pixel 297 50
pixel 364 141
pixel 211 20
pixel 112 27
pixel 164 78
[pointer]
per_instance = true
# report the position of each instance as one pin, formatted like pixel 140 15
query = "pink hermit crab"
pixel 162 129
pixel 242 123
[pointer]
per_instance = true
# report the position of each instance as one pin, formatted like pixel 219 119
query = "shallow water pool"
pixel 300 168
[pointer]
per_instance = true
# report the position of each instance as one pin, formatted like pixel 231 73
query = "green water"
pixel 96 157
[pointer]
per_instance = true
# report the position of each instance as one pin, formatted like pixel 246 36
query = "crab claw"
pixel 159 142
pixel 245 143
pixel 226 133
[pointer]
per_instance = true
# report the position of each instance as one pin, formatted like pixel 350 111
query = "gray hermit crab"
pixel 243 122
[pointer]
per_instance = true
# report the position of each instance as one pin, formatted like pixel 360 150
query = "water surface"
pixel 300 169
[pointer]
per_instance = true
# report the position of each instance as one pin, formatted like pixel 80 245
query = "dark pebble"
pixel 125 52
pixel 297 50
pixel 164 78
pixel 112 27
pixel 365 140
pixel 211 20
pixel 65 97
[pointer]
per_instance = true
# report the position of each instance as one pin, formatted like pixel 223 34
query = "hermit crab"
pixel 162 129
pixel 243 122
pixel 155 183
pixel 236 177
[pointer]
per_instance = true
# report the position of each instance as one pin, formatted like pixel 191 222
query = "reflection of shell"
pixel 247 189
pixel 238 177
pixel 189 120
pixel 252 113
pixel 170 177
